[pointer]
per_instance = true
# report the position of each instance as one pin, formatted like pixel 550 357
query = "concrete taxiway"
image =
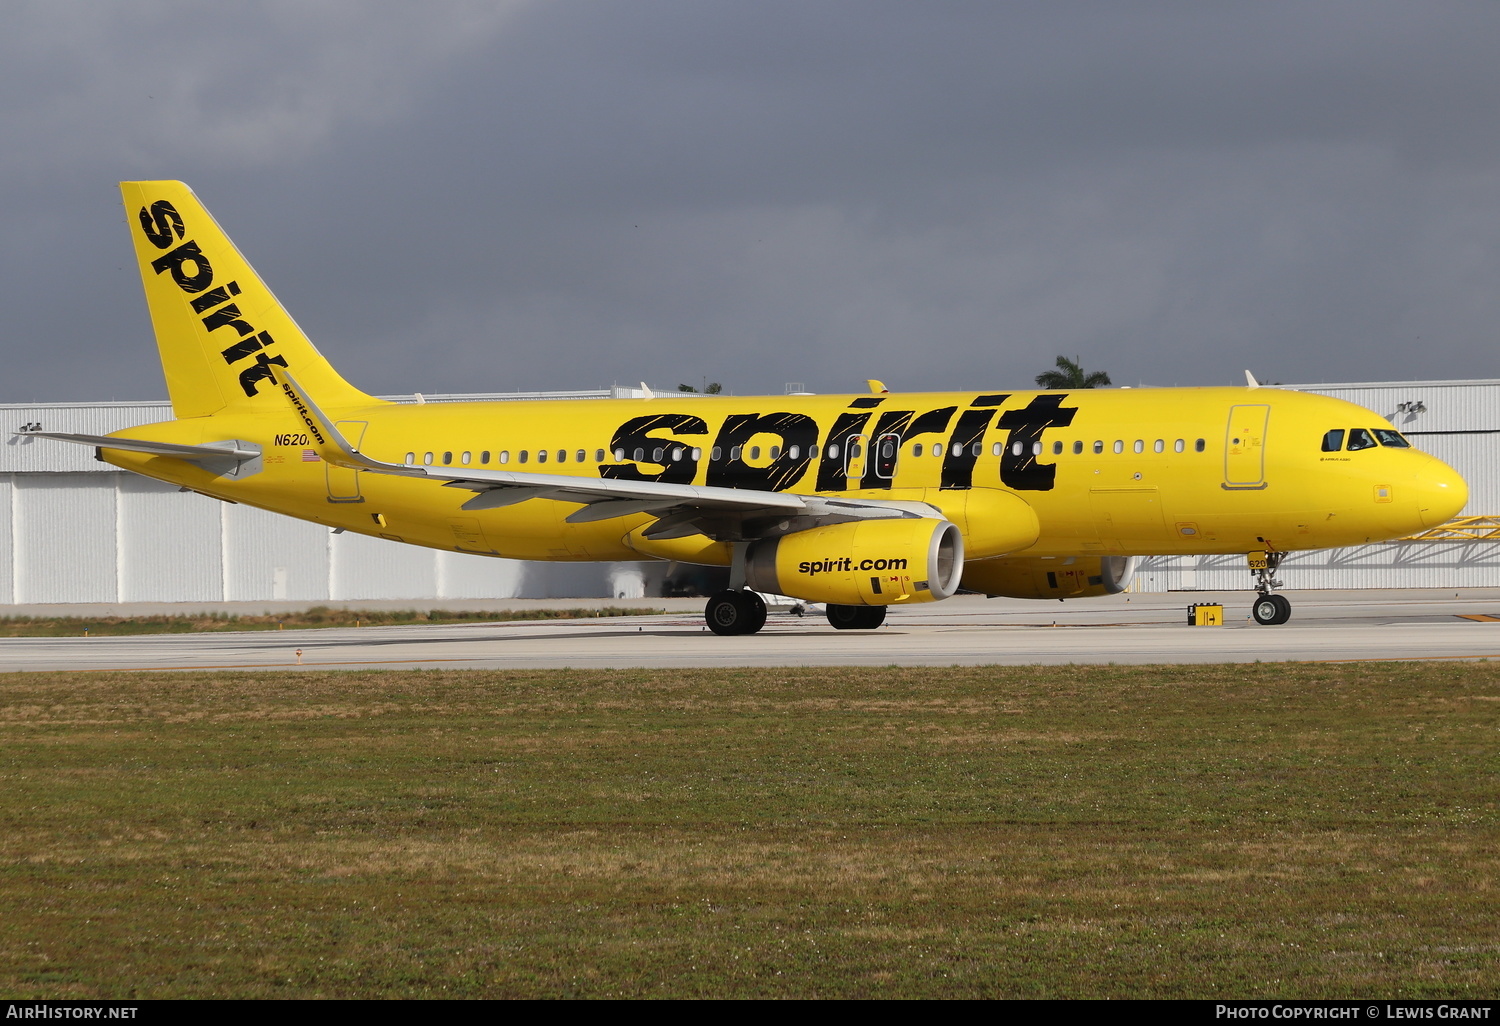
pixel 1325 626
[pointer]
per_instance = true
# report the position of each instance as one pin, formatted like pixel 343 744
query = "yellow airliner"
pixel 857 501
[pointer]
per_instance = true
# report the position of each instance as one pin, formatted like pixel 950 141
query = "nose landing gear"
pixel 1268 608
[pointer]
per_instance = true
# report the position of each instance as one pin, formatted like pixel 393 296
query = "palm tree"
pixel 709 388
pixel 1069 374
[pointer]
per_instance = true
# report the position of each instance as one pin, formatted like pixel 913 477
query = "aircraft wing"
pixel 212 451
pixel 681 508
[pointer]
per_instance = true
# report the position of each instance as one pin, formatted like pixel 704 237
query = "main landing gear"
pixel 744 612
pixel 735 612
pixel 1268 609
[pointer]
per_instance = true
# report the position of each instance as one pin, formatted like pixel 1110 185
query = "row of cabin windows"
pixel 466 458
pixel 675 453
pixel 1363 438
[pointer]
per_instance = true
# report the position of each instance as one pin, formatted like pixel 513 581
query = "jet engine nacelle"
pixel 1039 578
pixel 861 563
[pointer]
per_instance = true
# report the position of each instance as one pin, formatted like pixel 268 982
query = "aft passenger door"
pixel 343 483
pixel 1245 448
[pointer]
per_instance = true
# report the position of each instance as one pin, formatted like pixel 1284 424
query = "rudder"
pixel 219 330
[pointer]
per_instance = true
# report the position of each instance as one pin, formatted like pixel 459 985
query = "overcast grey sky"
pixel 463 196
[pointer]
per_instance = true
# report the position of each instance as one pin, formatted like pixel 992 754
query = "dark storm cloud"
pixel 478 196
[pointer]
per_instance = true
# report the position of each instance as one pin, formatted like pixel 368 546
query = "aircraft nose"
pixel 1441 493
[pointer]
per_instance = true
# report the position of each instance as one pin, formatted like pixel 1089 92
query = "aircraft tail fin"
pixel 219 330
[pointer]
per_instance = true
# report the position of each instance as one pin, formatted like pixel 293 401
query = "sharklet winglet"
pixel 332 446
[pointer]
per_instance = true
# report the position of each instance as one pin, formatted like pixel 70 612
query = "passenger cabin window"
pixel 1057 448
pixel 411 458
pixel 937 448
pixel 598 455
pixel 1077 448
pixel 716 454
pixel 1391 439
pixel 619 455
pixel 464 459
pixel 541 455
pixel 916 449
pixel 581 456
pixel 524 456
pixel 427 458
pixel 1119 446
pixel 1333 441
pixel 504 455
pixel 1159 445
pixel 562 455
pixel 1359 438
pixel 1179 445
pixel 484 457
pixel 1098 448
pixel 1140 445
pixel 1198 445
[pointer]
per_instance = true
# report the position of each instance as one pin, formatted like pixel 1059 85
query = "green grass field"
pixel 1220 831
pixel 318 616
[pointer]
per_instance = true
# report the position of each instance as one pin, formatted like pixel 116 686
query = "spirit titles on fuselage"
pixel 881 432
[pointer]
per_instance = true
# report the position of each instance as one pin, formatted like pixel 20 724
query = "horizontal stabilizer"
pixel 211 451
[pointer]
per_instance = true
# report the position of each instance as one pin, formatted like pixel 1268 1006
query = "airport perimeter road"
pixel 1326 626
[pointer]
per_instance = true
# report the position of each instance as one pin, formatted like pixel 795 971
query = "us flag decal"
pixel 308 456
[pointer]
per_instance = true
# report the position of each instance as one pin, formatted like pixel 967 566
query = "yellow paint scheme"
pixel 1126 503
pixel 1083 473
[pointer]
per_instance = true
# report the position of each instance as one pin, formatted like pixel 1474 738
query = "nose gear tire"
pixel 1271 610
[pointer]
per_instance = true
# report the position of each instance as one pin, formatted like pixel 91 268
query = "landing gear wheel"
pixel 856 618
pixel 1271 609
pixel 735 612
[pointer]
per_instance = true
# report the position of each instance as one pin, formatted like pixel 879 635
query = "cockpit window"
pixel 1334 440
pixel 1391 439
pixel 1359 438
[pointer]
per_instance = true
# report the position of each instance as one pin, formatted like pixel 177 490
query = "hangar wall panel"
pixel 268 556
pixel 170 543
pixel 375 568
pixel 1395 565
pixel 460 575
pixel 40 455
pixel 65 529
pixel 7 541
